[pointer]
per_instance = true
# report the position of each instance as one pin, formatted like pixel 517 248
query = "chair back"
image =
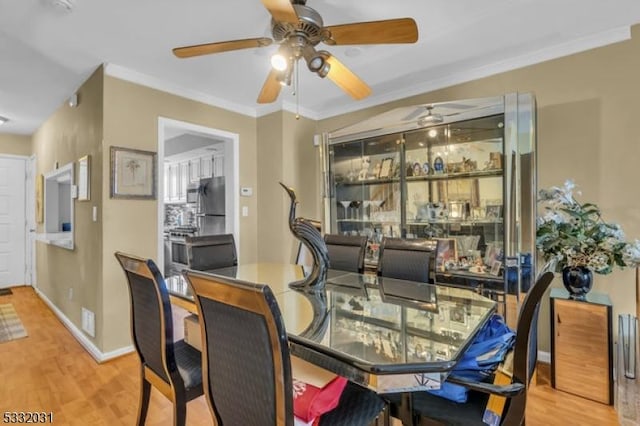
pixel 346 252
pixel 246 364
pixel 407 259
pixel 211 252
pixel 525 352
pixel 151 318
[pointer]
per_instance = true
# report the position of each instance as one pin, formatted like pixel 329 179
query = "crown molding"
pixel 456 77
pixel 578 45
pixel 132 76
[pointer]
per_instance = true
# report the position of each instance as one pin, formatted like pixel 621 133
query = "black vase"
pixel 577 280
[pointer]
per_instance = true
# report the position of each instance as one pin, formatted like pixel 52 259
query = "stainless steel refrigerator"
pixel 211 206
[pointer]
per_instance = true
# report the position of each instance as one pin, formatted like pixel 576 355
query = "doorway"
pixel 12 220
pixel 195 138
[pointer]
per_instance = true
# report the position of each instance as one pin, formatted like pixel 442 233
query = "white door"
pixel 12 221
pixel 30 217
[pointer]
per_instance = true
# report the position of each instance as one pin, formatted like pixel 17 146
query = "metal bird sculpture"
pixel 305 231
pixel 320 323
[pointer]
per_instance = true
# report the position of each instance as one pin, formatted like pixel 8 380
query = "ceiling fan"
pixel 298 28
pixel 429 114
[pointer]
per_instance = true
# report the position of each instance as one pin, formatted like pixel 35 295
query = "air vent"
pixel 89 322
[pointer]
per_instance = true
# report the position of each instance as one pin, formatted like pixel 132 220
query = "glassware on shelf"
pixel 356 205
pixel 377 204
pixel 366 204
pixel 346 205
pixel 352 175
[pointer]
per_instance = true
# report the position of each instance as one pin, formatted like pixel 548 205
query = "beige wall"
pixel 15 144
pixel 131 115
pixel 71 133
pixel 587 131
pixel 286 154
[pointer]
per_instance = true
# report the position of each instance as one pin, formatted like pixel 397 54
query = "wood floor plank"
pixel 50 371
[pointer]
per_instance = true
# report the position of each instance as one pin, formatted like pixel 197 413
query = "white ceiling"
pixel 46 52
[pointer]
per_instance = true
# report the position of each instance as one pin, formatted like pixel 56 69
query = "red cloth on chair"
pixel 310 402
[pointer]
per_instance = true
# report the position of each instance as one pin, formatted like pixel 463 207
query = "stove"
pixel 183 231
pixel 177 249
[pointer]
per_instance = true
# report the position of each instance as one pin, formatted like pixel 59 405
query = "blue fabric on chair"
pixel 482 357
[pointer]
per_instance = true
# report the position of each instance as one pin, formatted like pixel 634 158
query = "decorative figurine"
pixel 438 165
pixel 307 232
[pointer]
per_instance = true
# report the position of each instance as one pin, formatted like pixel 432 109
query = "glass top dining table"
pixel 386 334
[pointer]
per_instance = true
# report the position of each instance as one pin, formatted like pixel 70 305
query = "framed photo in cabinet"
pixel 495 268
pixel 385 168
pixel 493 212
pixel 460 190
pixel 445 252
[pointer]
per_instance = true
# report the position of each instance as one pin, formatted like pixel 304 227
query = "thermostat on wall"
pixel 246 192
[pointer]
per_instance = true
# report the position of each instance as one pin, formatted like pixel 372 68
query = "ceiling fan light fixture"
pixel 279 62
pixel 318 63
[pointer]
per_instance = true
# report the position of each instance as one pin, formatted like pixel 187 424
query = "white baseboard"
pixel 79 335
pixel 544 357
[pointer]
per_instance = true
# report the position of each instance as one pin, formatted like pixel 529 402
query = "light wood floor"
pixel 49 371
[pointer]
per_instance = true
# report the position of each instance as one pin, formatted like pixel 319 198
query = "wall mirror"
pixel 84 178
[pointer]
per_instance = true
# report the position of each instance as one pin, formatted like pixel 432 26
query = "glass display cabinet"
pixel 460 172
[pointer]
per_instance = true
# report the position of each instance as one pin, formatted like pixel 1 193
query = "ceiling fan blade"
pixel 402 30
pixel 415 114
pixel 281 10
pixel 223 46
pixel 270 88
pixel 345 79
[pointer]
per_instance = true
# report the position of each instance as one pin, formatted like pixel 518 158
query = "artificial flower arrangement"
pixel 573 234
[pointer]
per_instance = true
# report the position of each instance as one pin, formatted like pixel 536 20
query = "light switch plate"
pixel 245 211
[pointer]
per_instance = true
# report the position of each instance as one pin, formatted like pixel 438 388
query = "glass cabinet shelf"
pixel 368 182
pixel 462 175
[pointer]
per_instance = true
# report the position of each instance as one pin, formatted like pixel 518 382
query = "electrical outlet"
pixel 89 322
pixel 70 295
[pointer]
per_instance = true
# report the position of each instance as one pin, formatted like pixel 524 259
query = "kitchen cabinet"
pixel 460 172
pixel 206 166
pixel 183 181
pixel 194 170
pixel 172 183
pixel 179 174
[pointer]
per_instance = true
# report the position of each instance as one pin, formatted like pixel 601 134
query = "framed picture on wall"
pixel 133 174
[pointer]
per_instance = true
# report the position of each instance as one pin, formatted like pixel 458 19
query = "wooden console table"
pixel 582 345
